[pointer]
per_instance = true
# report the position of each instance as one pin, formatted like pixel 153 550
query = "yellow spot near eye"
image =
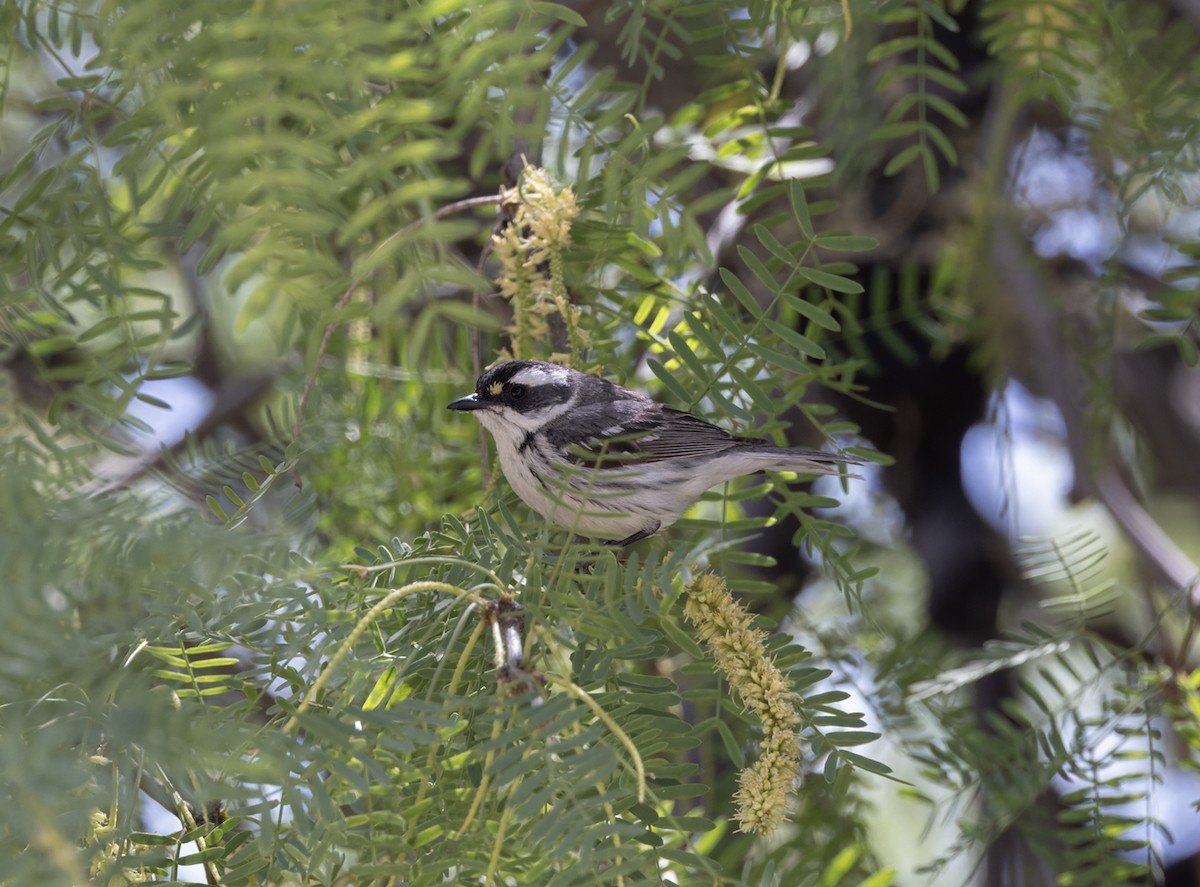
pixel 495 388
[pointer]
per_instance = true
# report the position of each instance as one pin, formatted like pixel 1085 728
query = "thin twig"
pixel 1167 559
pixel 183 810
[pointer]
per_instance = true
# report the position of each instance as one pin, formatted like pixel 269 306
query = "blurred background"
pixel 246 258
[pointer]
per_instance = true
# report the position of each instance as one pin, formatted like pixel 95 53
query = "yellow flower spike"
pixel 740 653
pixel 530 253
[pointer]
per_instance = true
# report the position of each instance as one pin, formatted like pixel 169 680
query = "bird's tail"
pixel 801 461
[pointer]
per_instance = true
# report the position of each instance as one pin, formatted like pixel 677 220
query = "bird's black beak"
pixel 470 402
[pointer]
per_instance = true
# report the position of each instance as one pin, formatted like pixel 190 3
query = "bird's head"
pixel 520 396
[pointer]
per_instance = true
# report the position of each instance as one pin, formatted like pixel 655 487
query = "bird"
pixel 601 460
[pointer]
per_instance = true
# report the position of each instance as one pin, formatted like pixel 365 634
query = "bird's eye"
pixel 516 392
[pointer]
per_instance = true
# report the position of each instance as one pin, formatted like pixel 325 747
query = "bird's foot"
pixel 636 537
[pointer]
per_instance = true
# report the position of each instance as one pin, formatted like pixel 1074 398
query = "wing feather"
pixel 624 432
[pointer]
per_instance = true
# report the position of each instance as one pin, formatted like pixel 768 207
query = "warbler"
pixel 602 460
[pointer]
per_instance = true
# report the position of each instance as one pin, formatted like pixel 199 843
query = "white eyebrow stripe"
pixel 539 375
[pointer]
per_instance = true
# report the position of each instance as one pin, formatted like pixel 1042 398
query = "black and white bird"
pixel 605 461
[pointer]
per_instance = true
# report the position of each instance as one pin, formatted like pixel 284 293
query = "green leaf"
pixel 34 191
pixel 216 508
pixel 798 341
pixel 741 293
pixel 754 263
pixel 680 638
pixel 752 182
pixel 830 770
pixel 685 353
pixel 560 13
pixel 827 698
pixel 841 865
pixel 865 763
pixel 800 207
pixel 168 370
pixel 895 46
pixel 905 157
pixel 777 249
pixel 848 738
pixel 833 282
pixel 669 380
pixel 881 878
pixel 781 359
pixel 819 316
pixel 381 690
pixel 846 243
pixel 200 857
pixel 732 747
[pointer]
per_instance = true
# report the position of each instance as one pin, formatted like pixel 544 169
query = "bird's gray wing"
pixel 624 432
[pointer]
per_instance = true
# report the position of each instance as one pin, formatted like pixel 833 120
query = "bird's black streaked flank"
pixel 605 461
